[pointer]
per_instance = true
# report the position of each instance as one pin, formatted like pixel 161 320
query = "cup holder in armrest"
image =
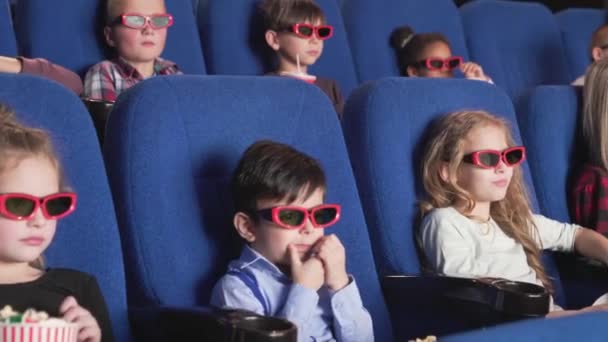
pixel 440 305
pixel 518 299
pixel 247 326
pixel 100 112
pixel 164 323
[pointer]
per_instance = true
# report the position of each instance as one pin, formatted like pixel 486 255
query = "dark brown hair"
pixel 271 170
pixel 409 46
pixel 279 15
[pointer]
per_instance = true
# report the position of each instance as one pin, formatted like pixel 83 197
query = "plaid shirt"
pixel 590 199
pixel 106 80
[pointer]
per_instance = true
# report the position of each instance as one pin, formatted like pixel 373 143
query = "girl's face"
pixel 24 241
pixel 289 46
pixel 485 185
pixel 435 50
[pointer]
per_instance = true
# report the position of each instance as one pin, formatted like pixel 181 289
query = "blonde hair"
pixel 595 113
pixel 18 142
pixel 512 214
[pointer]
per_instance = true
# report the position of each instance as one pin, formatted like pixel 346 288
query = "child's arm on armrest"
pixel 42 67
pixel 591 244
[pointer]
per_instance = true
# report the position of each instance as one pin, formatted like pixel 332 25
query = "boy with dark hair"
pixel 296 30
pixel 289 268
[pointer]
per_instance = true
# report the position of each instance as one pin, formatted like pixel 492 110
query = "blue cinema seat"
pixel 170 155
pixel 575 328
pixel 517 43
pixel 8 44
pixel 69 33
pixel 549 119
pixel 577 26
pixel 87 240
pixel 370 23
pixel 385 136
pixel 233 39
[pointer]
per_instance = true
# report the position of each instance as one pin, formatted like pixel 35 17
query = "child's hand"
pixel 309 273
pixel 74 313
pixel 473 71
pixel 596 308
pixel 330 251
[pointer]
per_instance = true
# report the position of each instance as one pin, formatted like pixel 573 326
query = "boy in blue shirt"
pixel 289 268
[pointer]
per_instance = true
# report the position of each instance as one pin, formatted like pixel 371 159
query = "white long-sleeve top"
pixel 458 246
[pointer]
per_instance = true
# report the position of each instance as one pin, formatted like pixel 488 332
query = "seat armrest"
pixel 439 305
pixel 583 279
pixel 208 324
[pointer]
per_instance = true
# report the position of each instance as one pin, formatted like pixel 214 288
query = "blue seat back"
pixel 170 156
pixel 87 240
pixel 233 38
pixel 370 23
pixel 548 119
pixel 8 44
pixel 577 26
pixel 70 33
pixel 518 44
pixel 564 329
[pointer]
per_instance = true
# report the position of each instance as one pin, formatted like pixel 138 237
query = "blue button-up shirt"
pixel 322 315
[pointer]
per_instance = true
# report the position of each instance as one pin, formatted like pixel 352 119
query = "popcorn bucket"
pixel 36 332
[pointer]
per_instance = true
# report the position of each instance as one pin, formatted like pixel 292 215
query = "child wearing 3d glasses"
pixel 137 30
pixel 430 55
pixel 296 30
pixel 289 268
pixel 33 198
pixel 477 218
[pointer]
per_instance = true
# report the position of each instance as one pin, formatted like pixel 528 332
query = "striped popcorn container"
pixel 48 331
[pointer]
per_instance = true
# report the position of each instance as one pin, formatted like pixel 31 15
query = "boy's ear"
pixel 412 72
pixel 272 39
pixel 597 53
pixel 244 226
pixel 107 33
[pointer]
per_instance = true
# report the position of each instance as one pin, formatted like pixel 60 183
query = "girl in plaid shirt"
pixel 589 198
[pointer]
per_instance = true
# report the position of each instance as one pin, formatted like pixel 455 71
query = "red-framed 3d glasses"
pixel 17 206
pixel 322 32
pixel 440 63
pixel 292 217
pixel 489 159
pixel 138 21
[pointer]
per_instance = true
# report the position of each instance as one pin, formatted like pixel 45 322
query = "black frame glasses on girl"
pixel 489 159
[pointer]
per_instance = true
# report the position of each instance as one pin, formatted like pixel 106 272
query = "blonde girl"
pixel 477 219
pixel 33 197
